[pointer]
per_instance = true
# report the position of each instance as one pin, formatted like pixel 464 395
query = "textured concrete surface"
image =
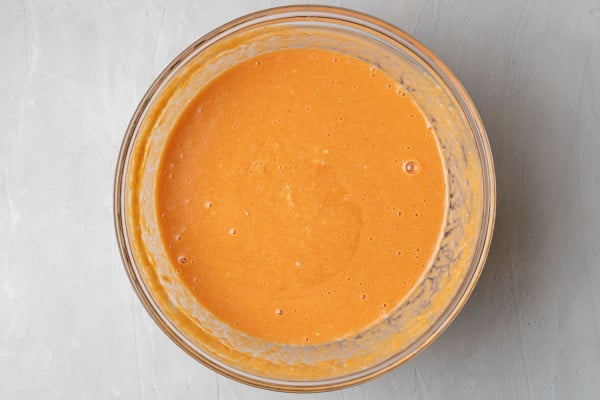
pixel 71 76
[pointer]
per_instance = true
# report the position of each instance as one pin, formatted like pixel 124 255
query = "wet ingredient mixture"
pixel 301 195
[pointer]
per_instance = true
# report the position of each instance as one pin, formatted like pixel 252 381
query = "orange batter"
pixel 301 196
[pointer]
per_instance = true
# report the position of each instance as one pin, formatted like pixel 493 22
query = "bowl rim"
pixel 488 207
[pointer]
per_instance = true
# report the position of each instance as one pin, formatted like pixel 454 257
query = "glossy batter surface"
pixel 301 195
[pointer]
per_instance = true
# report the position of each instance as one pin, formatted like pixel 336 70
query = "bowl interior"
pixel 451 273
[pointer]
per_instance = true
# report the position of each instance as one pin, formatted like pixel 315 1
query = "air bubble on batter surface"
pixel 410 167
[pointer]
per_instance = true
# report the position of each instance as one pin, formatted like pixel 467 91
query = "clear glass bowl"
pixel 430 306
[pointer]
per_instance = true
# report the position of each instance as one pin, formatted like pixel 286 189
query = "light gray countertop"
pixel 70 324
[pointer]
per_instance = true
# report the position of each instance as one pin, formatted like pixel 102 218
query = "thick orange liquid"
pixel 301 196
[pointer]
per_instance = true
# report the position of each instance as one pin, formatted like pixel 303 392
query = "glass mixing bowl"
pixel 449 278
